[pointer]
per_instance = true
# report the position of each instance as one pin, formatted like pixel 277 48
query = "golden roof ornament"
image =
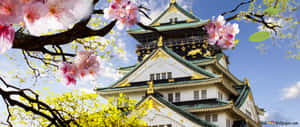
pixel 173 1
pixel 150 90
pixel 160 42
pixel 191 11
pixel 246 81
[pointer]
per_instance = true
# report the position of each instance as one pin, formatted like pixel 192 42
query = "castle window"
pixel 228 123
pixel 203 94
pixel 169 75
pixel 170 97
pixel 152 77
pixel 163 75
pixel 157 76
pixel 171 20
pixel 248 112
pixel 220 96
pixel 215 117
pixel 169 125
pixel 177 97
pixel 196 95
pixel 176 19
pixel 207 117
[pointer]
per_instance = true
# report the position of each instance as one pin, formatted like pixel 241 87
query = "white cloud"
pixel 123 54
pixel 108 71
pixel 291 92
pixel 274 115
pixel 265 116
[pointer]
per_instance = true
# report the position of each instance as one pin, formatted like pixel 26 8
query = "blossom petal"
pixel 7 34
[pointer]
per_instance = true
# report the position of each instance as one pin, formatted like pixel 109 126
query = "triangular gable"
pixel 163 60
pixel 163 112
pixel 245 102
pixel 172 12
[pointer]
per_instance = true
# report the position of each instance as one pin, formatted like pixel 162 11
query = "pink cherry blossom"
pixel 87 64
pixel 7 34
pixel 11 12
pixel 34 11
pixel 124 11
pixel 69 72
pixel 220 34
pixel 62 14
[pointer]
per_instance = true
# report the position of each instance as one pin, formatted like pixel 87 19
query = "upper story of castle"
pixel 182 31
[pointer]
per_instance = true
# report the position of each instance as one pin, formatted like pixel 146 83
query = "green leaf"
pixel 259 36
pixel 271 11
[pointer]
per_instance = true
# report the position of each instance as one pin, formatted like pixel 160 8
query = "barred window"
pixel 163 75
pixel 170 97
pixel 215 117
pixel 207 117
pixel 157 76
pixel 204 94
pixel 177 97
pixel 228 124
pixel 220 96
pixel 169 75
pixel 196 95
pixel 152 77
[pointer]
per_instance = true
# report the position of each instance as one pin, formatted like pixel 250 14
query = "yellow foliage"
pixel 87 110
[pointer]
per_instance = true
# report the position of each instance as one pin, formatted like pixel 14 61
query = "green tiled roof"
pixel 205 59
pixel 171 27
pixel 127 67
pixel 174 55
pixel 180 9
pixel 219 103
pixel 244 90
pixel 155 85
pixel 185 114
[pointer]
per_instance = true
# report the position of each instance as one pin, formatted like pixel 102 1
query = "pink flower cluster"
pixel 220 34
pixel 124 11
pixel 86 65
pixel 7 34
pixel 40 16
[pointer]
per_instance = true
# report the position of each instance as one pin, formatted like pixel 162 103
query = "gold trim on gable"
pixel 197 76
pixel 159 54
pixel 124 83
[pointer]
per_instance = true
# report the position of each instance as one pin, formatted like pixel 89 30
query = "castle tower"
pixel 187 80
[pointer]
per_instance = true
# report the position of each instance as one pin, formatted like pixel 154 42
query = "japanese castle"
pixel 186 79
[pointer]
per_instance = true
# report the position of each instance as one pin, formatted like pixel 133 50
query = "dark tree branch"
pixel 98 11
pixel 9 114
pixel 44 60
pixel 80 30
pixel 53 116
pixel 237 7
pixel 35 71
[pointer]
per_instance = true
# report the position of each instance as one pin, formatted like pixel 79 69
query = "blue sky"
pixel 271 74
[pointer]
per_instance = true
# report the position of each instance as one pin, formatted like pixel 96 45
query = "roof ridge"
pixel 179 8
pixel 188 63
